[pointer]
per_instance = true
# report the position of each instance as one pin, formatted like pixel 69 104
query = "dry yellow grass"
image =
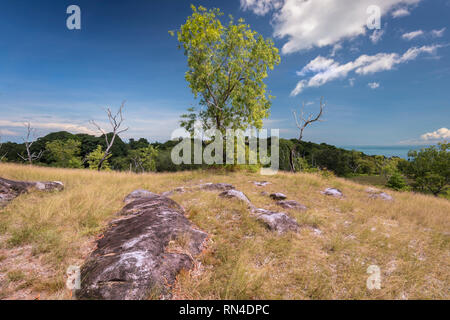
pixel 42 234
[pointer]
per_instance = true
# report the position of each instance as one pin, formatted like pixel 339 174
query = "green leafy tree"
pixel 65 154
pixel 95 157
pixel 143 159
pixel 397 182
pixel 430 168
pixel 227 66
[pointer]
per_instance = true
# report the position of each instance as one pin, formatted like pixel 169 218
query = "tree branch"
pixel 116 121
pixel 302 123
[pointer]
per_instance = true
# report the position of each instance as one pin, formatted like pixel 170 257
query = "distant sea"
pixel 388 151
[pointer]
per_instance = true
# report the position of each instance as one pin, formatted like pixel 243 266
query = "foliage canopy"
pixel 227 66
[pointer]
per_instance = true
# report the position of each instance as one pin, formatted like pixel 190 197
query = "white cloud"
pixel 438 135
pixel 6 132
pixel 319 23
pixel 401 12
pixel 373 85
pixel 326 70
pixel 376 36
pixel 438 33
pixel 351 81
pixel 412 35
pixel 261 7
pixel 50 126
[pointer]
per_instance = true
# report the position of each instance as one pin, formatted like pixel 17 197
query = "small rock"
pixel 261 184
pixel 277 221
pixel 235 194
pixel 278 196
pixel 217 186
pixel 317 231
pixel 372 190
pixel 382 195
pixel 264 193
pixel 291 204
pixel 333 192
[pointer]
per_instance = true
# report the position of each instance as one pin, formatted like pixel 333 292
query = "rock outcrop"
pixel 133 260
pixel 235 194
pixel 278 196
pixel 333 193
pixel 380 195
pixel 10 189
pixel 277 221
pixel 291 204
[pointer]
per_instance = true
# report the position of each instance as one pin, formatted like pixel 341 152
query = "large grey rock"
pixel 236 195
pixel 132 260
pixel 10 189
pixel 291 204
pixel 333 193
pixel 278 196
pixel 277 221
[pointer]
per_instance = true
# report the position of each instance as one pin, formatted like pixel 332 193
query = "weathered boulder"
pixel 277 221
pixel 132 260
pixel 333 193
pixel 10 189
pixel 235 194
pixel 216 187
pixel 278 196
pixel 291 204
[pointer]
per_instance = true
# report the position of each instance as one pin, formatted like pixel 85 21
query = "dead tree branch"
pixel 303 122
pixel 116 121
pixel 31 135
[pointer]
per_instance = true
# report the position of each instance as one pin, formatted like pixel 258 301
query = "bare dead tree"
pixel 116 121
pixel 303 122
pixel 31 135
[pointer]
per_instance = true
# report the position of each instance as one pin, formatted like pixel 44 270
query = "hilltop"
pixel 42 234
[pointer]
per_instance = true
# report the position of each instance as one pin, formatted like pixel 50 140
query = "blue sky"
pixel 383 87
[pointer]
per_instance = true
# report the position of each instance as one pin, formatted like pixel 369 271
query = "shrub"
pixel 397 182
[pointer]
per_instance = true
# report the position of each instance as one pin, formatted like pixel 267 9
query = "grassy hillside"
pixel 42 234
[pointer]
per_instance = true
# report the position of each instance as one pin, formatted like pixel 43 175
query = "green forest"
pixel 425 171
